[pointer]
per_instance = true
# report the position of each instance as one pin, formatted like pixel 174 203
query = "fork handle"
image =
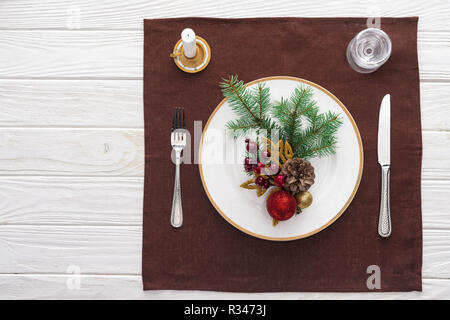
pixel 384 223
pixel 176 217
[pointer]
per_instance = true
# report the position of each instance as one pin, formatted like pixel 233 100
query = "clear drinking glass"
pixel 369 50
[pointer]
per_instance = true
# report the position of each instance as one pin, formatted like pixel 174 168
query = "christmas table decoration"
pixel 305 133
pixel 318 251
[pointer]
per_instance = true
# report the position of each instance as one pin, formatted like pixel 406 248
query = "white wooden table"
pixel 72 146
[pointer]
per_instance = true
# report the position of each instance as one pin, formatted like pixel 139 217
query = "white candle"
pixel 188 38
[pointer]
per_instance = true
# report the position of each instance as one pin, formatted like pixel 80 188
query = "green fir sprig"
pixel 319 139
pixel 297 119
pixel 250 105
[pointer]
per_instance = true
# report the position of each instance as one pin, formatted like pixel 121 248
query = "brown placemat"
pixel 207 253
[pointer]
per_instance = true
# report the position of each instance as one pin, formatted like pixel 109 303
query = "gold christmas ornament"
pixel 304 199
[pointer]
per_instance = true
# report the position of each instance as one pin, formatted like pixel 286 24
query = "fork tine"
pixel 184 121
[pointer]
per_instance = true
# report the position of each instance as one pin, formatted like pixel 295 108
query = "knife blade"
pixel 384 132
pixel 384 159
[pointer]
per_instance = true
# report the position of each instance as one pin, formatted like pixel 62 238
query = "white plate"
pixel 337 176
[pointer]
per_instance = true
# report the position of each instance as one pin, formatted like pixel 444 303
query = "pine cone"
pixel 299 175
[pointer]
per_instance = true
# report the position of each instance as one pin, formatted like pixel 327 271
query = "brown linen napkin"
pixel 207 253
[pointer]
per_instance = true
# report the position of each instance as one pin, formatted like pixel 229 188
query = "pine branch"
pixel 325 147
pixel 261 95
pixel 251 106
pixel 290 113
pixel 239 98
pixel 268 125
pixel 323 124
pixel 240 127
pixel 319 139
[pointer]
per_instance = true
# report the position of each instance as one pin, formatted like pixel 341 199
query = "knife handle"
pixel 384 222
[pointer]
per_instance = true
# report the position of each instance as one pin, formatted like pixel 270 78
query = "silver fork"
pixel 178 141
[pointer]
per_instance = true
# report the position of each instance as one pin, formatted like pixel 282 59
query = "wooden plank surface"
pixel 436 155
pixel 75 54
pixel 433 49
pixel 435 106
pixel 118 54
pixel 74 152
pixel 53 249
pixel 70 286
pixel 91 201
pixel 71 103
pixel 116 14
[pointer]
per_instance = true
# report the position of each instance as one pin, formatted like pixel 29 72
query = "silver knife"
pixel 384 159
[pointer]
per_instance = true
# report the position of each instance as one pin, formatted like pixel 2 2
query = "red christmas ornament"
pixel 281 205
pixel 279 180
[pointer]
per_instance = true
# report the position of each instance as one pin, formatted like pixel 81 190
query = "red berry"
pixel 279 180
pixel 247 140
pixel 248 167
pixel 281 205
pixel 266 184
pixel 259 181
pixel 257 170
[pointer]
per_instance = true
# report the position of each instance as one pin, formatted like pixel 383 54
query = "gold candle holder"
pixel 198 62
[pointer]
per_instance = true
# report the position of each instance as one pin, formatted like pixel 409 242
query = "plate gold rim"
pixel 349 200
